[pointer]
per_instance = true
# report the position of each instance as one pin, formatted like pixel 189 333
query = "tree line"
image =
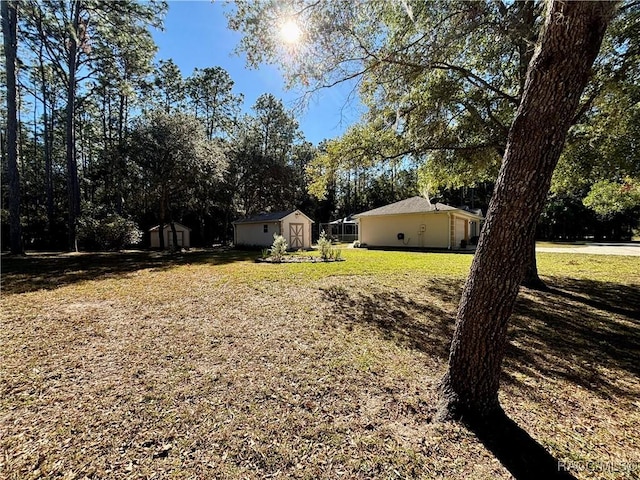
pixel 105 142
pixel 88 99
pixel 99 143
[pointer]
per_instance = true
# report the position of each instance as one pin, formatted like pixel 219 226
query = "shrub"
pixel 112 232
pixel 324 245
pixel 279 247
pixel 327 250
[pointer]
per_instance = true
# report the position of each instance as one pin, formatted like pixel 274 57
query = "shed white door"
pixel 296 235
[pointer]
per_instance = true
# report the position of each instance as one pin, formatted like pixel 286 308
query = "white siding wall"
pixel 383 230
pixel 253 233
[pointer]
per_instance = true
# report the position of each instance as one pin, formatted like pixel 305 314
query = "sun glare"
pixel 290 32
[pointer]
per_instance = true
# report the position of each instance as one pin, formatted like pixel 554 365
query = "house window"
pixel 265 228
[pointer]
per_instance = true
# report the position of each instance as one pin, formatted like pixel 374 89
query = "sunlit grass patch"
pixel 606 268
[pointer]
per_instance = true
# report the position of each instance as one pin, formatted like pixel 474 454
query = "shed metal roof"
pixel 168 225
pixel 269 217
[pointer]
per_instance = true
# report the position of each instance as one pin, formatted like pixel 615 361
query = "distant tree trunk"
pixel 531 279
pixel 557 75
pixel 163 217
pixel 73 187
pixel 121 109
pixel 161 235
pixel 9 11
pixel 47 141
pixel 174 234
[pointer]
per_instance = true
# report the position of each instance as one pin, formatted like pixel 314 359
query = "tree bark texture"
pixel 557 75
pixel 9 11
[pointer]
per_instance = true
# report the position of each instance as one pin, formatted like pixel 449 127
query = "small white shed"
pixel 258 230
pixel 184 236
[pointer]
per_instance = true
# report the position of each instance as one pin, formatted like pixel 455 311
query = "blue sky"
pixel 196 35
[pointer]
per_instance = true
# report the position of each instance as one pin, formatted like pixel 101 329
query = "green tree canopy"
pixel 212 99
pixel 441 80
pixel 178 164
pixel 608 198
pixel 267 150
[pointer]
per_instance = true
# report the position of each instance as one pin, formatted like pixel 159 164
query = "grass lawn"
pixel 208 365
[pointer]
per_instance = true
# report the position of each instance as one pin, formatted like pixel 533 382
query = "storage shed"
pixel 418 223
pixel 184 236
pixel 257 231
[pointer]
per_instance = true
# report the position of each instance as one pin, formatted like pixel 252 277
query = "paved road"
pixel 632 249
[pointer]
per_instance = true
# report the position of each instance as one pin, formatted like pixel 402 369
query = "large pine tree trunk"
pixel 557 75
pixel 9 11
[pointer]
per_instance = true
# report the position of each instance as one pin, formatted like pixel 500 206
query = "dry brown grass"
pixel 211 366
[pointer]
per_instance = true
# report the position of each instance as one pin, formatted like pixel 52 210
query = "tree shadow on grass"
pixel 412 323
pixel 609 297
pixel 37 271
pixel 518 452
pixel 581 331
pixel 569 330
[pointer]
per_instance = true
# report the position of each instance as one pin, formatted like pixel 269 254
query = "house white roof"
pixel 415 205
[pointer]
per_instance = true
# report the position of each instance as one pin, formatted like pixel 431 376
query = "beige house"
pixel 258 230
pixel 417 223
pixel 184 236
